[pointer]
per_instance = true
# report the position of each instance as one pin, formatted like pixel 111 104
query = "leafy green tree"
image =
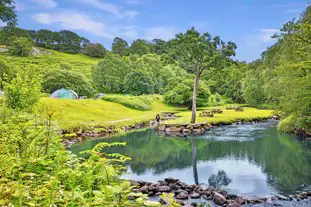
pixel 7 12
pixel 21 46
pixel 4 72
pixel 158 46
pixel 198 53
pixel 56 79
pixel 119 46
pixel 109 74
pixel 95 50
pixel 180 93
pixel 138 82
pixel 139 47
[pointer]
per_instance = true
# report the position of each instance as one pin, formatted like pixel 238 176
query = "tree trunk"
pixel 194 97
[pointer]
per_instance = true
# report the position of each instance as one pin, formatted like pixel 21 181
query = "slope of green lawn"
pixel 78 62
pixel 72 115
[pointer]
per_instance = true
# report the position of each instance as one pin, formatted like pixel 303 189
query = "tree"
pixel 158 46
pixel 109 74
pixel 139 47
pixel 138 82
pixel 95 50
pixel 198 53
pixel 119 46
pixel 7 12
pixel 56 79
pixel 21 46
pixel 180 93
pixel 4 72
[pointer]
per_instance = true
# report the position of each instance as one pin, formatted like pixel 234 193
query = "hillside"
pixel 77 62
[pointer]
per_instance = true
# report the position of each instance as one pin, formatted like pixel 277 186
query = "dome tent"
pixel 64 93
pixel 98 96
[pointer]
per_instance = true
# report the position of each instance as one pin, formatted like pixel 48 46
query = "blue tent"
pixel 64 93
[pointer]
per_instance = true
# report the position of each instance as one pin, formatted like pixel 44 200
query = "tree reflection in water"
pixel 219 180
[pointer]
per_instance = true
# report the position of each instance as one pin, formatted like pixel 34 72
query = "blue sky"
pixel 248 23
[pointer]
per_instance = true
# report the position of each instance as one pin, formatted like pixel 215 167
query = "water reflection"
pixel 245 159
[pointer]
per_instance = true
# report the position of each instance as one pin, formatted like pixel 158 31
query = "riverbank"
pixel 76 116
pixel 193 195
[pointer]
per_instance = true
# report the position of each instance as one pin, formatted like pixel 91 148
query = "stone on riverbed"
pixel 182 196
pixel 171 180
pixel 195 195
pixel 164 189
pixel 219 198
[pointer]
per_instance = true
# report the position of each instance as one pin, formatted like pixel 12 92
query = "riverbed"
pixel 245 159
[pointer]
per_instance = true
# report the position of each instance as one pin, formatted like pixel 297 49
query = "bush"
pixel 142 103
pixel 21 46
pixel 138 83
pixel 181 94
pixel 56 79
pixel 95 50
pixel 287 124
pixel 218 100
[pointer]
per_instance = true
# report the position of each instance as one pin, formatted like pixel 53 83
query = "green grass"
pixel 142 103
pixel 78 62
pixel 73 115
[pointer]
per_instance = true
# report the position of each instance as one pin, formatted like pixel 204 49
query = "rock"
pixel 182 196
pixel 195 195
pixel 207 192
pixel 239 200
pixel 164 189
pixel 161 128
pixel 180 191
pixel 186 131
pixel 234 205
pixel 134 183
pixel 162 201
pixel 151 193
pixel 224 193
pixel 232 196
pixel 158 194
pixel 152 188
pixel 141 183
pixel 188 205
pixel 144 189
pixel 171 180
pixel 181 184
pixel 219 198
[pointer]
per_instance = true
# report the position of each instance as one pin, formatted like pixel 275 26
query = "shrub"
pixel 287 124
pixel 21 46
pixel 56 79
pixel 142 103
pixel 95 50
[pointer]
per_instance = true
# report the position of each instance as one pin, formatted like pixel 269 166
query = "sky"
pixel 248 23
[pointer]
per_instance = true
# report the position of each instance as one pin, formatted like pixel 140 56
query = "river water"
pixel 247 159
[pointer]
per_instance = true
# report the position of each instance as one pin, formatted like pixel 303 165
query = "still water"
pixel 248 159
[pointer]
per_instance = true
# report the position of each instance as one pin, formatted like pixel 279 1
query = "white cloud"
pixel 111 8
pixel 266 34
pixel 165 33
pixel 73 20
pixel 292 11
pixel 48 4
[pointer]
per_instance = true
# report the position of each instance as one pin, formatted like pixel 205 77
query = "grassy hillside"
pixel 77 62
pixel 73 115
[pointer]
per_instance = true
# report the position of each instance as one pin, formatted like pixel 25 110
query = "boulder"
pixel 181 184
pixel 182 196
pixel 164 189
pixel 195 195
pixel 134 183
pixel 161 128
pixel 239 200
pixel 171 180
pixel 219 199
pixel 186 131
pixel 144 189
pixel 141 183
pixel 152 188
pixel 194 204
